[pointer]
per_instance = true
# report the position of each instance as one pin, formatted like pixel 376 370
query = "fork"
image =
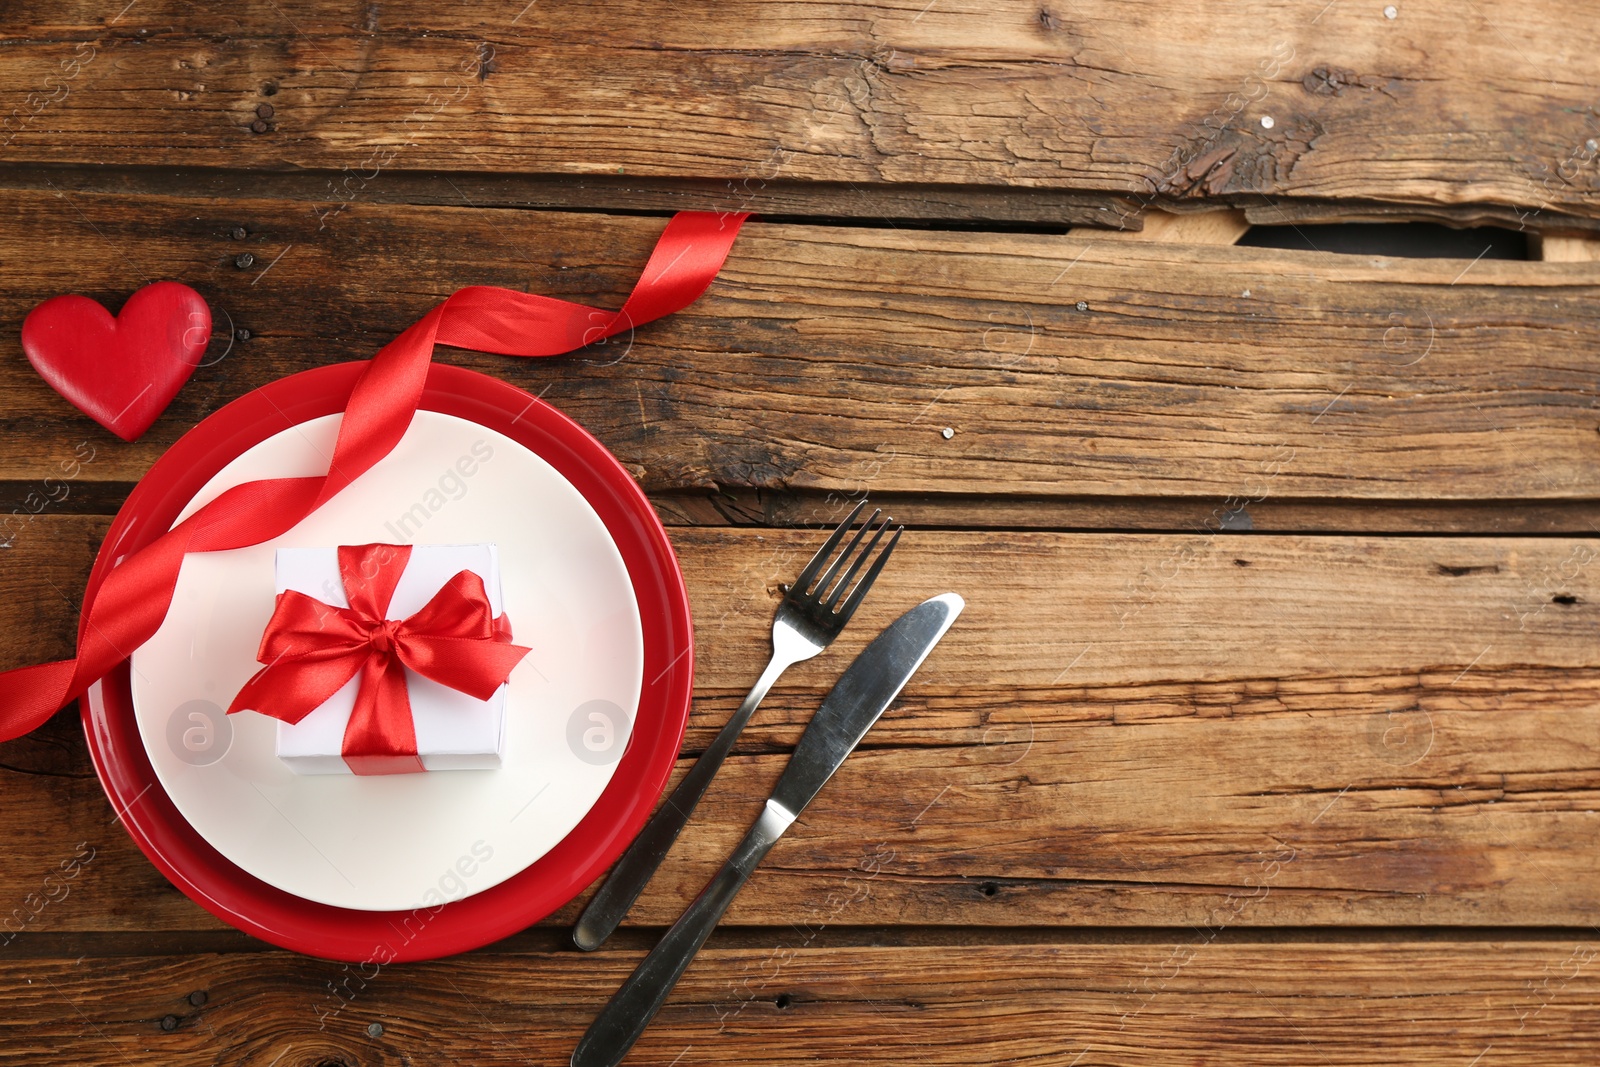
pixel 813 611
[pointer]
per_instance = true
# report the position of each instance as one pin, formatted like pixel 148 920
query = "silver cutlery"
pixel 813 611
pixel 869 686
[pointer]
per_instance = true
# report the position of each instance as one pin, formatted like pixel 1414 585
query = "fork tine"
pixel 803 583
pixel 826 581
pixel 859 593
pixel 838 591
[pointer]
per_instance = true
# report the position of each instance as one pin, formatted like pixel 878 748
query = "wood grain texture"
pixel 1400 730
pixel 831 360
pixel 1281 212
pixel 1186 1000
pixel 777 200
pixel 1272 607
pixel 1193 228
pixel 1268 736
pixel 1247 100
pixel 1567 249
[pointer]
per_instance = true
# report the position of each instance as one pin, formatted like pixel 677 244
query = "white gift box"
pixel 454 731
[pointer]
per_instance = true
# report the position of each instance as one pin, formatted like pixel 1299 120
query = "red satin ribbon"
pixel 312 649
pixel 133 599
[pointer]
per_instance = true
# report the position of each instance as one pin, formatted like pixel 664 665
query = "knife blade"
pixel 868 686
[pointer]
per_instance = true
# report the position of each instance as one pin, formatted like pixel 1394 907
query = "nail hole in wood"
pixel 988 889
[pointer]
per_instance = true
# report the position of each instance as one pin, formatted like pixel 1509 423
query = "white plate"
pixel 400 842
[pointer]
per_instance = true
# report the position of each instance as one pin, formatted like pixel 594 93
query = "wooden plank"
pixel 1407 723
pixel 831 360
pixel 1197 227
pixel 1564 248
pixel 1190 1000
pixel 1281 102
pixel 1074 831
pixel 1280 212
pixel 1280 607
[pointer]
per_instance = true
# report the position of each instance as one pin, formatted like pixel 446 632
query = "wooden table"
pixel 1269 735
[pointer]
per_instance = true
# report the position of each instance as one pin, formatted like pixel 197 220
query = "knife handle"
pixel 626 1015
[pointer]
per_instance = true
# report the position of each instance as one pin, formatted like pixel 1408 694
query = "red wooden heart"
pixel 122 372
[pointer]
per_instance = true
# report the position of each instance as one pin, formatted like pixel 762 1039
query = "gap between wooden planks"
pixel 1282 1005
pixel 831 360
pixel 1403 725
pixel 996 207
pixel 1252 102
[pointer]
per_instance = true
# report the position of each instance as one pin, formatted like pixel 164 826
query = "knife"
pixel 866 688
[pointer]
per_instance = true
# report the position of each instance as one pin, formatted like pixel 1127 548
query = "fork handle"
pixel 638 864
pixel 630 1010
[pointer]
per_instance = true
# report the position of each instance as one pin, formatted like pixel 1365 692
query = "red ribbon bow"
pixel 312 649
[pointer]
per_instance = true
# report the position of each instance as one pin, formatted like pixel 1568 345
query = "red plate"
pixel 337 933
